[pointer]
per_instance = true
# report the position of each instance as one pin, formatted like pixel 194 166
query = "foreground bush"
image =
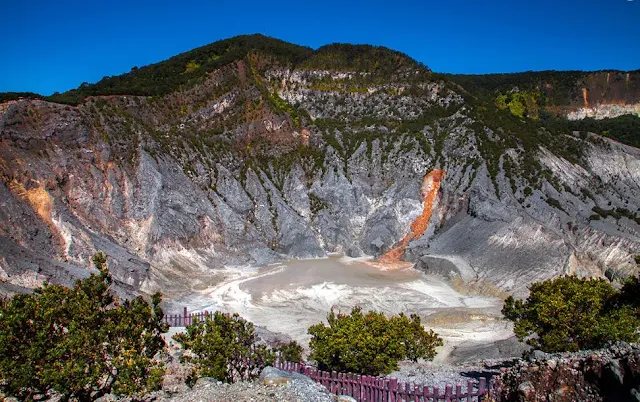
pixel 224 347
pixel 79 342
pixel 371 343
pixel 571 313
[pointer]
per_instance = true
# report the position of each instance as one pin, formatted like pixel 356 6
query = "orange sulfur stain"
pixel 430 188
pixel 585 96
pixel 39 199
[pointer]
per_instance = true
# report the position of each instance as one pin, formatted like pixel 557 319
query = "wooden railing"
pixel 383 389
pixel 182 320
pixel 362 387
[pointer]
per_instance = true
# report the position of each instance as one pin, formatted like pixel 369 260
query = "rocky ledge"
pixel 611 374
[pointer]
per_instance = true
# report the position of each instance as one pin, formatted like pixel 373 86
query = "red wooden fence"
pixel 182 320
pixel 382 389
pixel 362 387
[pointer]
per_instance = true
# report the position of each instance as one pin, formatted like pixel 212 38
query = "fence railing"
pixel 362 387
pixel 381 389
pixel 182 320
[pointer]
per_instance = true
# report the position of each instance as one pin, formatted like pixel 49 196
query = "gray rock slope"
pixel 170 199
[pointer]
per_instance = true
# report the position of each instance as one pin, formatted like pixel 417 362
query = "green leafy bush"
pixel 290 352
pixel 571 313
pixel 224 347
pixel 80 341
pixel 520 103
pixel 370 343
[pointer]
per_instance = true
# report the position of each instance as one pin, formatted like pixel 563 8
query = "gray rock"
pixel 539 355
pixel 614 371
pixel 526 390
pixel 344 398
pixel 273 376
pixel 104 398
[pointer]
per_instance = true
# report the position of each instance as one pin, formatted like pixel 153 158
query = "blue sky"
pixel 49 46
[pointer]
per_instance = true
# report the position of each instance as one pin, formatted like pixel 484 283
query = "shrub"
pixel 79 342
pixel 224 347
pixel 571 313
pixel 290 352
pixel 370 343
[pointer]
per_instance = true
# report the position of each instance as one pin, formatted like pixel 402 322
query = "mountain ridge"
pixel 255 161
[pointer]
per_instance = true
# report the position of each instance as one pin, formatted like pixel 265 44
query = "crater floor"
pixel 292 296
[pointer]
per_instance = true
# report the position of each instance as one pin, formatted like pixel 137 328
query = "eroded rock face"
pixel 604 111
pixel 175 187
pixel 611 374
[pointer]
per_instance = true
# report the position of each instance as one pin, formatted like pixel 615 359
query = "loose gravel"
pixel 439 375
pixel 207 390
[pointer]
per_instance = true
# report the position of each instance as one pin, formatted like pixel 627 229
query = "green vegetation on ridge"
pixel 185 69
pixel 377 60
pixel 558 87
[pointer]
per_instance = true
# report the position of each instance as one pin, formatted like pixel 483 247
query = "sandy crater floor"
pixel 290 297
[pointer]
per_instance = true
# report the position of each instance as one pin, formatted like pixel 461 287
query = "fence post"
pixel 469 390
pixel 425 393
pixel 372 383
pixel 375 384
pixel 393 386
pixel 372 392
pixel 374 389
pixel 336 382
pixel 482 387
pixel 385 390
pixel 436 393
pixel 365 388
pixel 447 393
pixel 185 316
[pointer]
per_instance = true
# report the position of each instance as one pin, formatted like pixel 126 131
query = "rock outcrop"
pixel 611 374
